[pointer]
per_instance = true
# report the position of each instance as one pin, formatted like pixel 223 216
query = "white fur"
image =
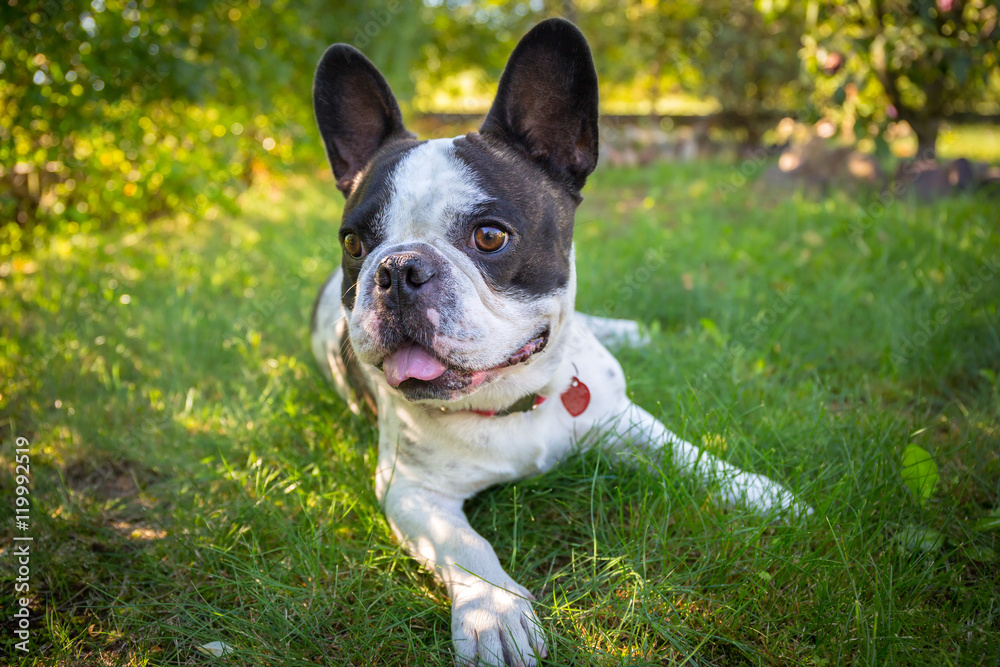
pixel 430 186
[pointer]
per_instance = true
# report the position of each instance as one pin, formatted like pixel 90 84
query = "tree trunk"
pixel 755 134
pixel 927 131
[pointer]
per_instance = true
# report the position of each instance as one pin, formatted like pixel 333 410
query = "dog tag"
pixel 576 398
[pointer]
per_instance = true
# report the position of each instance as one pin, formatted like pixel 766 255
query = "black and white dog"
pixel 452 317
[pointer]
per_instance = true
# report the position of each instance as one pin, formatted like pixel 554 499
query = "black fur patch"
pixel 546 103
pixel 356 112
pixel 535 210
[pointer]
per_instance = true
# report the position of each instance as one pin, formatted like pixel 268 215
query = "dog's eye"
pixel 353 245
pixel 489 239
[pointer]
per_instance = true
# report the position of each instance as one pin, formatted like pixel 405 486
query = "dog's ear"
pixel 356 112
pixel 546 103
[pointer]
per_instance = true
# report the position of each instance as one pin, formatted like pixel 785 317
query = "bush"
pixel 115 113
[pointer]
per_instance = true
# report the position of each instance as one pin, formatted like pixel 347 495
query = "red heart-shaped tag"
pixel 576 398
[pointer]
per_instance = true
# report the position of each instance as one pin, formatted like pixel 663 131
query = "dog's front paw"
pixel 496 626
pixel 767 496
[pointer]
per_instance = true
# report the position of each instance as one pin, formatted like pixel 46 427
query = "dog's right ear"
pixel 356 112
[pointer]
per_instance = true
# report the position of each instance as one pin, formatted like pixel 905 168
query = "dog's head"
pixel 458 253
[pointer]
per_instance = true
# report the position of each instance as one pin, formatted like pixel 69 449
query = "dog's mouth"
pixel 418 373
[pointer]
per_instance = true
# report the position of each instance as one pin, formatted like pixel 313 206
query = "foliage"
pixel 743 61
pixel 117 111
pixel 920 61
pixel 865 63
pixel 748 60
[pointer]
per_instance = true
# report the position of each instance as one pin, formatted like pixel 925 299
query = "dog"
pixel 452 317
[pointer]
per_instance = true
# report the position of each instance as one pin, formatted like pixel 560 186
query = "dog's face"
pixel 458 253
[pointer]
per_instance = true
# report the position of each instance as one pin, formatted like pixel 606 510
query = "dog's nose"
pixel 403 274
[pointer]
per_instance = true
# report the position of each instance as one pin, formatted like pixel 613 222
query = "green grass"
pixel 194 480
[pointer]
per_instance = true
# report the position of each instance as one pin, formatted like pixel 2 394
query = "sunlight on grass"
pixel 196 482
pixel 975 142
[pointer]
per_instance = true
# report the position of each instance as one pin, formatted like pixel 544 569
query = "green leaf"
pixel 916 539
pixel 839 95
pixel 919 473
pixel 713 331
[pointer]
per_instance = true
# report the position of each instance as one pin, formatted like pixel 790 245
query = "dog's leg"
pixel 637 428
pixel 492 620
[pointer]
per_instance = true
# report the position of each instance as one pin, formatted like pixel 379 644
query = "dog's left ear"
pixel 546 103
pixel 356 112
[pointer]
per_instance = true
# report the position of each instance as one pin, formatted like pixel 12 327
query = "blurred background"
pixel 114 113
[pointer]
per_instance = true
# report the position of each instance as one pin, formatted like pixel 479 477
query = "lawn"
pixel 194 480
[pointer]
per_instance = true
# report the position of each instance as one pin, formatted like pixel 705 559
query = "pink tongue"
pixel 411 361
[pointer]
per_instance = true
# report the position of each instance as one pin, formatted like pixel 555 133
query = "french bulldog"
pixel 452 318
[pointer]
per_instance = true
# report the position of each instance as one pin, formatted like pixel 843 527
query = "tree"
pixel 927 60
pixel 746 58
pixel 730 52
